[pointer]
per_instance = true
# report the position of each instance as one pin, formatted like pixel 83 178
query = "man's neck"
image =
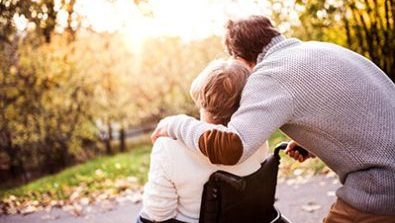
pixel 275 40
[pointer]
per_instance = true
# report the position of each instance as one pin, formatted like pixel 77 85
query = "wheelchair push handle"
pixel 283 146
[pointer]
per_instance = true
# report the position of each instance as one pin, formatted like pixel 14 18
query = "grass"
pixel 98 174
pixel 94 174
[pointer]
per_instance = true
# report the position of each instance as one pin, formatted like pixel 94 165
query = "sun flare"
pixel 189 20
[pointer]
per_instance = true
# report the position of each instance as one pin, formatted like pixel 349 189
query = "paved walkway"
pixel 300 200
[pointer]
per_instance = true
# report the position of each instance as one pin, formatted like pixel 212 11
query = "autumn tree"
pixel 20 97
pixel 365 26
pixel 169 65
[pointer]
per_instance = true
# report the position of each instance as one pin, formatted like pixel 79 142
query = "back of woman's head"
pixel 218 89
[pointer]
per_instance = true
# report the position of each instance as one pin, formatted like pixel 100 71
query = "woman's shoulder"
pixel 164 142
pixel 164 147
pixel 170 154
pixel 174 151
pixel 171 149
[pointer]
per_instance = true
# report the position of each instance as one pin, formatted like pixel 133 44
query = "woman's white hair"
pixel 217 89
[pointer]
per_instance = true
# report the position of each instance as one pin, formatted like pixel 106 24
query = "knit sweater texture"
pixel 334 102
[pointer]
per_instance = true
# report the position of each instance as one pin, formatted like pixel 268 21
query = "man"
pixel 332 101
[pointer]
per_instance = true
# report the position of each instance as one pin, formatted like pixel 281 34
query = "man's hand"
pixel 295 154
pixel 160 130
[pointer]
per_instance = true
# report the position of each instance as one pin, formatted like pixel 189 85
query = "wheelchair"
pixel 228 198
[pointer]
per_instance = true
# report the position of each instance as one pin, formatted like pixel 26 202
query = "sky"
pixel 187 19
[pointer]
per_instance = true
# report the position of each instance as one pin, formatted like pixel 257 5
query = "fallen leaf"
pixel 77 210
pixel 136 198
pixel 335 181
pixel 84 201
pixel 330 174
pixel 311 207
pixel 331 193
pixel 28 210
pixel 298 172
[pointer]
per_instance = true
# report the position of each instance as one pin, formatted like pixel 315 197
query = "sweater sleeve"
pixel 264 107
pixel 160 195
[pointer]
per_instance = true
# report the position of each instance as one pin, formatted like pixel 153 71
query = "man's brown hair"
pixel 246 38
pixel 218 89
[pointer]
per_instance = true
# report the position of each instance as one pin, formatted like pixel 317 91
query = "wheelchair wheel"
pixel 278 217
pixel 284 220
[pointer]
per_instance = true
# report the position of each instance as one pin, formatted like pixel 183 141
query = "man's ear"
pixel 249 65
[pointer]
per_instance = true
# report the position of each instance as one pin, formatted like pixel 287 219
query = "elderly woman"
pixel 177 174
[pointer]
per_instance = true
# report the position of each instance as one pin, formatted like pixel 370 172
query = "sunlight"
pixel 189 20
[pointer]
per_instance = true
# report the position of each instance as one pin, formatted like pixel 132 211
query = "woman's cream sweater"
pixel 176 178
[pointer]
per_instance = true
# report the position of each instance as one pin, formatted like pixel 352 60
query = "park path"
pixel 302 200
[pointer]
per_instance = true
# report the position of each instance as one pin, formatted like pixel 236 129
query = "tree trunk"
pixel 109 139
pixel 65 157
pixel 16 167
pixel 122 143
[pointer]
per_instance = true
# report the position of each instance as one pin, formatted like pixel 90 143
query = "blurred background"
pixel 86 79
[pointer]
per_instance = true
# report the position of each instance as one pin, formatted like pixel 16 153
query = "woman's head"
pixel 217 90
pixel 245 38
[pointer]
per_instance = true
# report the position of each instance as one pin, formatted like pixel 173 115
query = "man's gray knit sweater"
pixel 332 101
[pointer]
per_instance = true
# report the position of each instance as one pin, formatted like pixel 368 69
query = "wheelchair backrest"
pixel 230 198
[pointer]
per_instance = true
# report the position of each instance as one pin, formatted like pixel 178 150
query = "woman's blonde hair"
pixel 217 89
